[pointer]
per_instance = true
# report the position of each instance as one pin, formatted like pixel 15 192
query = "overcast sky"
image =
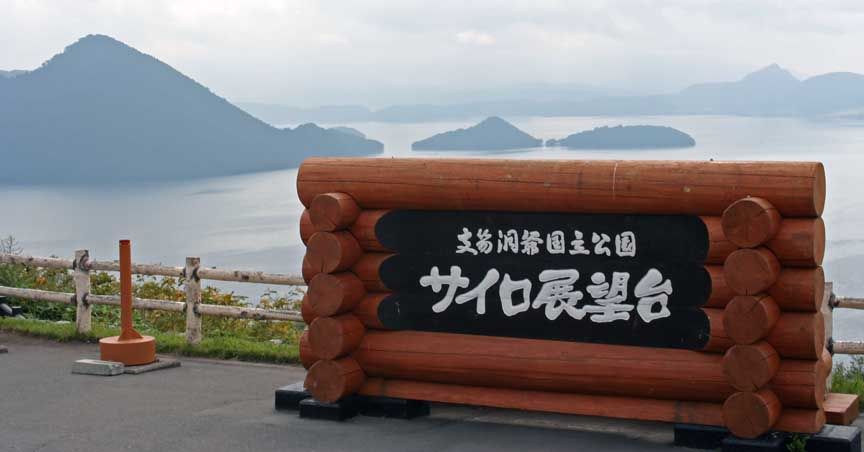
pixel 385 51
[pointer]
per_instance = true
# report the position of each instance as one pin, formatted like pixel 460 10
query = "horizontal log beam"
pixel 800 242
pixel 796 189
pixel 791 420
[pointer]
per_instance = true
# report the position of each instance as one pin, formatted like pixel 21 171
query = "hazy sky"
pixel 386 51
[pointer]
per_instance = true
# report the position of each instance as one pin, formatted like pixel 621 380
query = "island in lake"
pixel 491 134
pixel 626 137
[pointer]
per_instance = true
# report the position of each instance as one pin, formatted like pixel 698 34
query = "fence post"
pixel 81 277
pixel 193 299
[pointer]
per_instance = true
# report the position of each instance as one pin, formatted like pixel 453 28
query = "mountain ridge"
pixel 491 134
pixel 105 111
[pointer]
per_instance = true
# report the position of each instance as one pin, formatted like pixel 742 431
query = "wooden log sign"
pixel 614 279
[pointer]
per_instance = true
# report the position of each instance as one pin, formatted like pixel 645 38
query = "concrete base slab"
pixel 159 364
pixel 338 411
pixel 771 442
pixel 289 397
pixel 699 436
pixel 835 438
pixel 97 367
pixel 392 408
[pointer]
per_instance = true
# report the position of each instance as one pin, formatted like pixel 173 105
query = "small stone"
pixel 276 341
pixel 62 322
pixel 3 349
pixel 97 367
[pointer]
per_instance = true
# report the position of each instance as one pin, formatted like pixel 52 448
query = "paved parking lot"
pixel 213 406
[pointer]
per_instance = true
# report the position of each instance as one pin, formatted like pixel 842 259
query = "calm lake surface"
pixel 250 221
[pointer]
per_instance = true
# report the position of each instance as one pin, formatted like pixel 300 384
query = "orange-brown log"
pixel 331 294
pixel 750 367
pixel 364 230
pixel 798 335
pixel 799 289
pixel 800 242
pixel 543 365
pixel 333 211
pixel 308 271
pixel 330 380
pixel 841 409
pixel 802 383
pixel 796 289
pixel 718 340
pixel 718 246
pixel 797 189
pixel 799 420
pixel 750 222
pixel 703 413
pixel 749 318
pixel 330 252
pixel 553 402
pixel 306 311
pixel 792 249
pixel 751 414
pixel 750 271
pixel 367 268
pixel 306 228
pixel 367 310
pixel 332 337
pixel 307 357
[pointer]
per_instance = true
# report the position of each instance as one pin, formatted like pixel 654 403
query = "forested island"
pixel 626 137
pixel 491 134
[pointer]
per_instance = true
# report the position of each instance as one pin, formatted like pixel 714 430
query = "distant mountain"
pixel 626 137
pixel 103 112
pixel 771 91
pixel 491 134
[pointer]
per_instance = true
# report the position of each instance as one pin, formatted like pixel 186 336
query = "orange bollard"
pixel 130 347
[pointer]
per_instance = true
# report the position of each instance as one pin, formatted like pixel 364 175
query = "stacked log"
pixel 333 331
pixel 777 341
pixel 764 365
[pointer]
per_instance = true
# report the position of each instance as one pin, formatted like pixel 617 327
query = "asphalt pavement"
pixel 215 406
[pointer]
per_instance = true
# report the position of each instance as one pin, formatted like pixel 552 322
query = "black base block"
pixel 392 408
pixel 339 411
pixel 289 397
pixel 772 442
pixel 699 436
pixel 835 438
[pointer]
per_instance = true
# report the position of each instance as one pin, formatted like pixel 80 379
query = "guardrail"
pixel 81 265
pixel 192 274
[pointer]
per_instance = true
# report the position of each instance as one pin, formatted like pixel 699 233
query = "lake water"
pixel 250 221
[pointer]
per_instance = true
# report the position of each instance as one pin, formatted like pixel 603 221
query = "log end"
pixel 307 358
pixel 750 367
pixel 329 252
pixel 331 294
pixel 332 337
pixel 330 380
pixel 750 222
pixel 333 211
pixel 751 414
pixel 306 228
pixel 306 311
pixel 749 318
pixel 751 271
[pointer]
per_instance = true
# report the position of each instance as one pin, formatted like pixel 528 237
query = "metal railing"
pixel 192 274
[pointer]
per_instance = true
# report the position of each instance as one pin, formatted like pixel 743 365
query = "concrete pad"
pixel 97 367
pixel 159 364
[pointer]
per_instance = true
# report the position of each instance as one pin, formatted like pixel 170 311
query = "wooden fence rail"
pixel 83 299
pixel 192 306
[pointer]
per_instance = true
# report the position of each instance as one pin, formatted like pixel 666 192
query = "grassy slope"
pixel 210 347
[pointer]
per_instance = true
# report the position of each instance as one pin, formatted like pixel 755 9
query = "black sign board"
pixel 616 279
